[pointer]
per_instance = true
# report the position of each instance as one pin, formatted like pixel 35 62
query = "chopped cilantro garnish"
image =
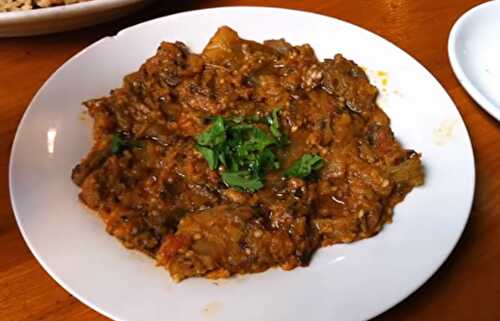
pixel 209 155
pixel 274 124
pixel 243 179
pixel 305 166
pixel 246 151
pixel 215 135
pixel 119 144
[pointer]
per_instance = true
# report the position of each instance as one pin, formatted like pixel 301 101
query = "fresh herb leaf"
pixel 274 123
pixel 243 180
pixel 215 135
pixel 222 159
pixel 274 127
pixel 305 166
pixel 247 151
pixel 255 140
pixel 210 155
pixel 119 144
pixel 263 162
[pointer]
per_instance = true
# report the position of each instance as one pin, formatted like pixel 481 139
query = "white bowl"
pixel 474 51
pixel 344 282
pixel 64 17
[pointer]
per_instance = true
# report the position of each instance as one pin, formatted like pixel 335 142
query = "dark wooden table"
pixel 467 287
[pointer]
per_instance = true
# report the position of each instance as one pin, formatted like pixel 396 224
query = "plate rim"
pixel 62 10
pixel 468 146
pixel 456 66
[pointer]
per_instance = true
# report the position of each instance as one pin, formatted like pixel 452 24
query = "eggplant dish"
pixel 244 157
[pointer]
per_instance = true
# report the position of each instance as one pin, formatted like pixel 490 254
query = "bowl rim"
pixel 60 11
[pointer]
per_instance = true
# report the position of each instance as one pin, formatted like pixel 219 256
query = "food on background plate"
pixel 16 5
pixel 244 157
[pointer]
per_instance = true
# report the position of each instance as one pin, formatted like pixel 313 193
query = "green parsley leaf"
pixel 215 135
pixel 210 155
pixel 263 162
pixel 305 166
pixel 119 144
pixel 253 140
pixel 247 151
pixel 243 180
pixel 274 123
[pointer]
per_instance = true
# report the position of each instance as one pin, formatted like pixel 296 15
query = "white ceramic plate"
pixel 343 282
pixel 62 18
pixel 474 50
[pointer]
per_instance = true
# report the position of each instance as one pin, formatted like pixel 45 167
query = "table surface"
pixel 466 287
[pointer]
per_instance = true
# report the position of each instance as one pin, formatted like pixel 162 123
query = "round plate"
pixel 474 50
pixel 65 17
pixel 344 282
